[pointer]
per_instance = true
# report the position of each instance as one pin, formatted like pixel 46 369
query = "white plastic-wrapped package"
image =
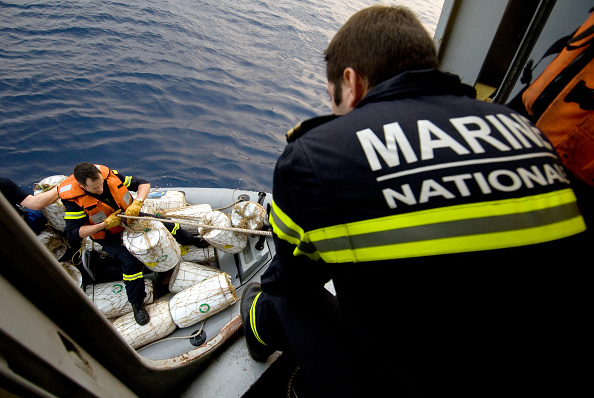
pixel 195 254
pixel 160 325
pixel 227 241
pixel 202 300
pixel 55 212
pixel 153 244
pixel 187 274
pixel 163 200
pixel 111 298
pixel 248 215
pixel 192 213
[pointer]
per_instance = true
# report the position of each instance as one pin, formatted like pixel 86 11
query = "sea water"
pixel 179 92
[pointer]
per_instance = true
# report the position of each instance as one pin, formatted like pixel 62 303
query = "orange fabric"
pixel 569 127
pixel 95 209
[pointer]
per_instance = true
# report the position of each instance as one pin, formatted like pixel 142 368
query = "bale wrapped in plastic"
pixel 153 244
pixel 90 244
pixel 160 325
pixel 202 300
pixel 158 201
pixel 73 272
pixel 111 298
pixel 187 274
pixel 55 212
pixel 195 254
pixel 248 215
pixel 55 242
pixel 227 241
pixel 193 213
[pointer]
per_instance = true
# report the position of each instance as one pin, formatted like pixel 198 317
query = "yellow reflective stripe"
pixel 461 244
pixel 132 277
pixel 253 319
pixel 175 229
pixel 127 181
pixel 455 229
pixel 74 215
pixel 285 228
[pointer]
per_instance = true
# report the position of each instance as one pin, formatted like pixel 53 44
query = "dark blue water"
pixel 180 92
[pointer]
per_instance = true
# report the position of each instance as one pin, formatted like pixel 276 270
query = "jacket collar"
pixel 418 83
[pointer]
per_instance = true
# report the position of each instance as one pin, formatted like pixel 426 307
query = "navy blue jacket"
pixel 464 203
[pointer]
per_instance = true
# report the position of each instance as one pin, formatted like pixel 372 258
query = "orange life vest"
pixel 96 210
pixel 561 100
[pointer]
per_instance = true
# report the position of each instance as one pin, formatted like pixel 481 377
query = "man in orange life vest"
pixel 94 196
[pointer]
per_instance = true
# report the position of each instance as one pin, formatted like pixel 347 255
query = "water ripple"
pixel 183 93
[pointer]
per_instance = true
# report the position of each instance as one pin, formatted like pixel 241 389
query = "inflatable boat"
pixel 55 338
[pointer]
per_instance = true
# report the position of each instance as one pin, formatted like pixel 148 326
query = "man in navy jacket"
pixel 445 224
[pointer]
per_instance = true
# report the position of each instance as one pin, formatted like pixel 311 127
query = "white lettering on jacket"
pixel 462 185
pixel 507 135
pixel 513 132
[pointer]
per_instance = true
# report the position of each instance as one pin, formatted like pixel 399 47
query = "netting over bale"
pixel 227 241
pixel 89 244
pixel 153 244
pixel 55 212
pixel 111 298
pixel 56 243
pixel 202 300
pixel 197 254
pixel 160 325
pixel 158 201
pixel 248 215
pixel 193 213
pixel 73 273
pixel 187 274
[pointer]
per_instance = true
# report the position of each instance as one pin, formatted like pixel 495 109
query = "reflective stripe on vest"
pixel 98 217
pixel 456 229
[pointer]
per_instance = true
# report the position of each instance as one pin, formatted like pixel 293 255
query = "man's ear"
pixel 356 87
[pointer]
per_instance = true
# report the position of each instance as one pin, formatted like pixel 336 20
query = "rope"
pixel 196 333
pixel 47 187
pixel 290 387
pixel 200 225
pixel 231 205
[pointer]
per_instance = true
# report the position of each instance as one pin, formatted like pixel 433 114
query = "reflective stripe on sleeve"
pixel 74 215
pixel 455 229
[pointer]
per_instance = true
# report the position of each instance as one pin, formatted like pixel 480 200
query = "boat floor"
pixel 229 371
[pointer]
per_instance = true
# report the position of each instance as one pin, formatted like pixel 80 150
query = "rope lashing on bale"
pixel 200 225
pixel 42 187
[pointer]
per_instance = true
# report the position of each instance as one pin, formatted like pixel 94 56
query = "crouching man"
pixel 94 196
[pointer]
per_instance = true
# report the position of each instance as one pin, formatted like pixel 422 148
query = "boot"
pixel 141 316
pixel 257 350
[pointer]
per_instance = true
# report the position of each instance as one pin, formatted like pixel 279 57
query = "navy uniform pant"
pixel 335 362
pixel 131 266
